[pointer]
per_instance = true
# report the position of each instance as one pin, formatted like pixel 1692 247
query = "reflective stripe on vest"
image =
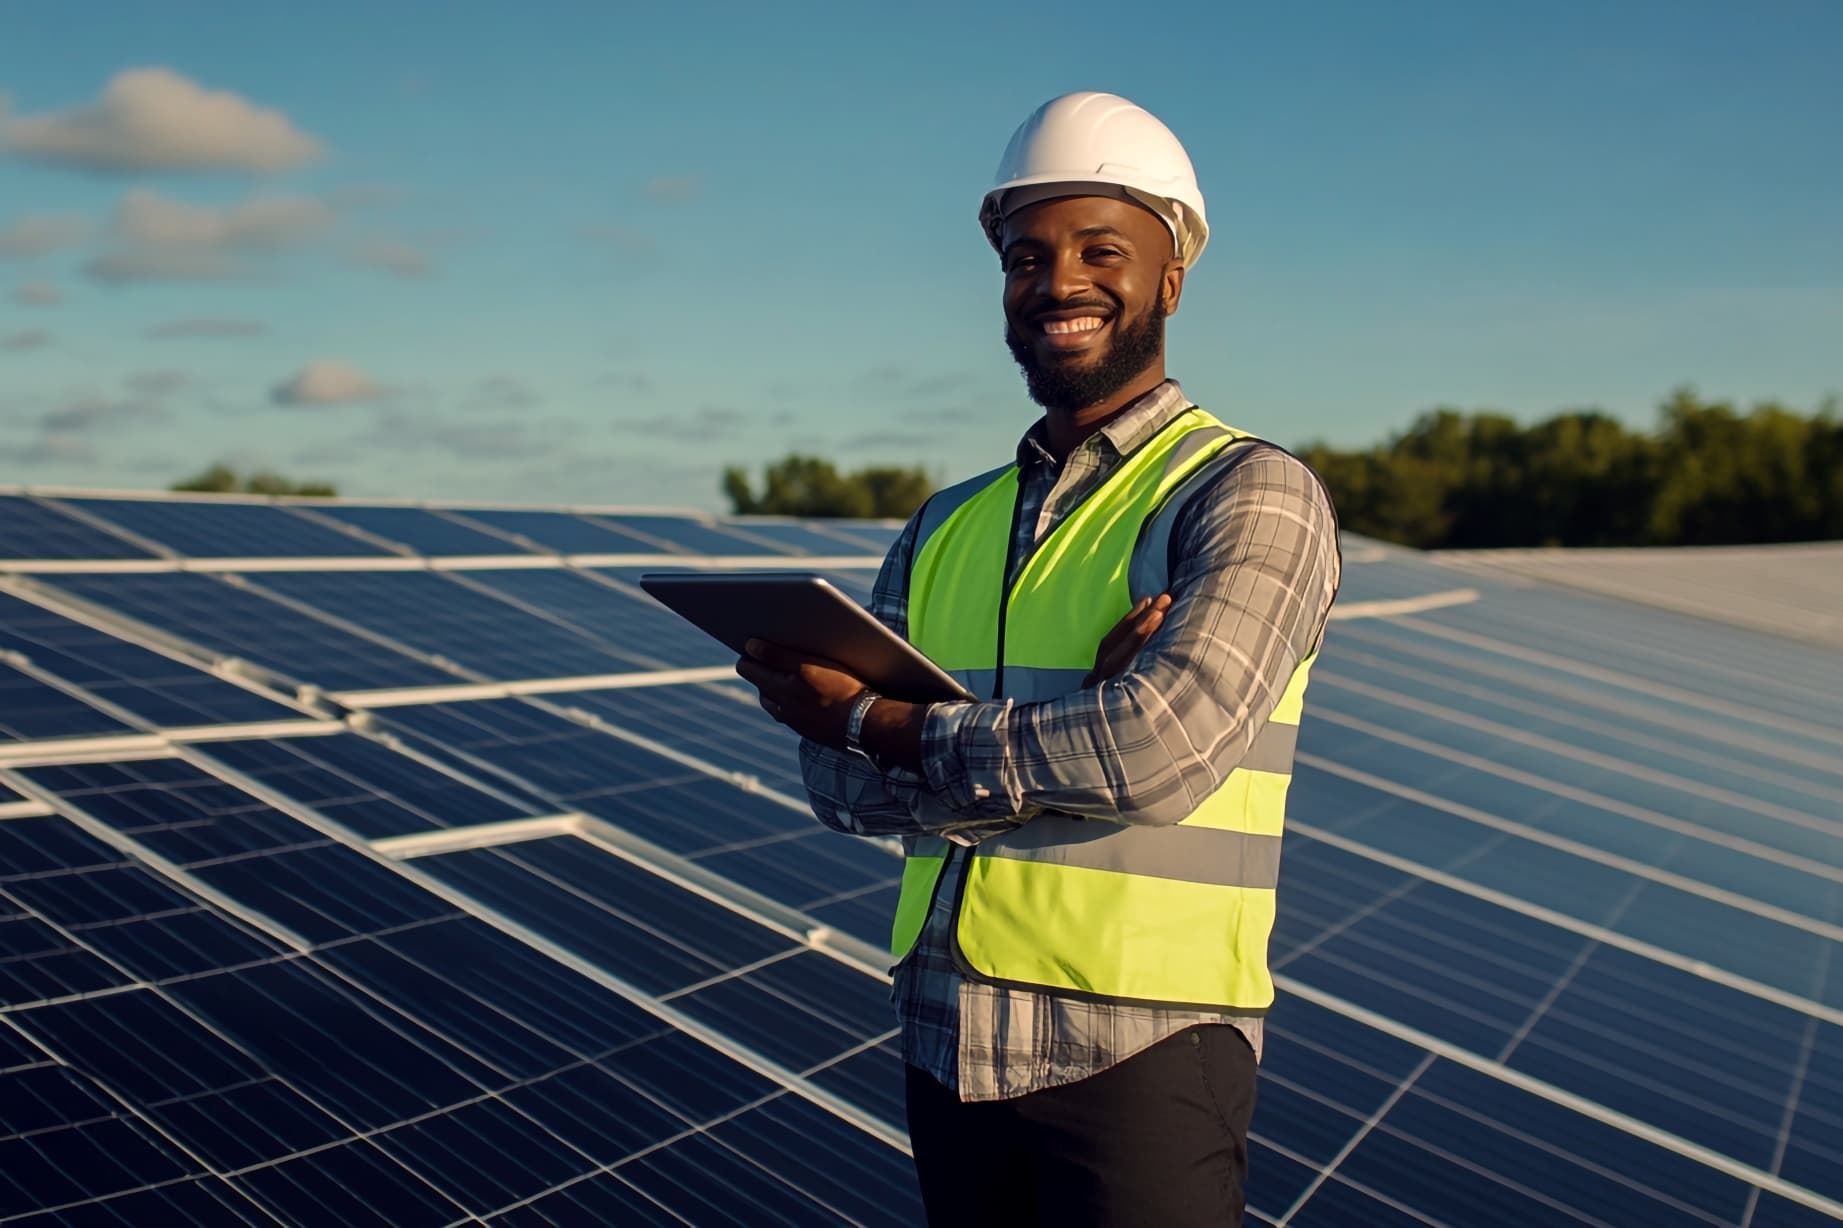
pixel 1174 915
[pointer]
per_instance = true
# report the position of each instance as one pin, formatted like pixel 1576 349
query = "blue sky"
pixel 595 252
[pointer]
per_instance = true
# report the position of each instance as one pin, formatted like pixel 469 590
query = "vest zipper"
pixel 1004 591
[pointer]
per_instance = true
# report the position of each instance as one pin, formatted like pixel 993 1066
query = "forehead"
pixel 1064 217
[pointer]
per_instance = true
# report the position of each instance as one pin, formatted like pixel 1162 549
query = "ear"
pixel 1171 287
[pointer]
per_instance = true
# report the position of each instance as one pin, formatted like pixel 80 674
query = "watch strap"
pixel 854 723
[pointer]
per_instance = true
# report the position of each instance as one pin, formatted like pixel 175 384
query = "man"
pixel 1092 852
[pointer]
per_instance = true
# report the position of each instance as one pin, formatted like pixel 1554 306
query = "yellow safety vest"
pixel 1176 915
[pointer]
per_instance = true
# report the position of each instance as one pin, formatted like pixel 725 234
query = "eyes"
pixel 1101 255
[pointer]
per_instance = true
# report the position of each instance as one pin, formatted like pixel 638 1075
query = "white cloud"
pixel 156 239
pixel 38 294
pixel 205 326
pixel 326 383
pixel 154 119
pixel 34 235
pixel 28 339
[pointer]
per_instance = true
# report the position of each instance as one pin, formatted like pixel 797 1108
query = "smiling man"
pixel 1092 852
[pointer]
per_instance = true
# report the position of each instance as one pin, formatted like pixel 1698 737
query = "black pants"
pixel 1160 1139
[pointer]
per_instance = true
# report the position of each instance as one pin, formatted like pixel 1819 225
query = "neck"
pixel 1067 428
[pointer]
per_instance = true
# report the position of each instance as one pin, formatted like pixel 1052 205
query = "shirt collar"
pixel 1123 433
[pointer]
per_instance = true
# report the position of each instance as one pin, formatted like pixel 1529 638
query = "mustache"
pixel 1099 306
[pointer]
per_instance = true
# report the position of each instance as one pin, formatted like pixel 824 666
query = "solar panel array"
pixel 406 865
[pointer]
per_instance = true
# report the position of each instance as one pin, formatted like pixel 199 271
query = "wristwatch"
pixel 854 724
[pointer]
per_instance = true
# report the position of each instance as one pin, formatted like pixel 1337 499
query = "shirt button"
pixel 1196 1038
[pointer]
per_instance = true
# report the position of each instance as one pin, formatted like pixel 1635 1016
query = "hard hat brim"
pixel 1189 232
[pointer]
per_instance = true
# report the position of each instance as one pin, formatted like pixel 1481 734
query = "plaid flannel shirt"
pixel 1256 571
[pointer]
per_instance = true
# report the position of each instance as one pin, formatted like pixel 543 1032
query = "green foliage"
pixel 1709 475
pixel 222 479
pixel 810 486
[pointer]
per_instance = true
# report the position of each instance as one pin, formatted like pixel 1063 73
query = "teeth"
pixel 1083 324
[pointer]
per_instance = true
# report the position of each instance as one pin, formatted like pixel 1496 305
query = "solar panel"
pixel 157 688
pixel 616 615
pixel 694 536
pixel 364 785
pixel 34 529
pixel 226 530
pixel 440 615
pixel 1556 944
pixel 426 532
pixel 30 708
pixel 239 622
pixel 804 539
pixel 561 532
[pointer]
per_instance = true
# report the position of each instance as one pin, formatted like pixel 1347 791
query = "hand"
pixel 810 695
pixel 1120 645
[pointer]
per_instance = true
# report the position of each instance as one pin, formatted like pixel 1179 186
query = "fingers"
pixel 772 655
pixel 1127 637
pixel 756 674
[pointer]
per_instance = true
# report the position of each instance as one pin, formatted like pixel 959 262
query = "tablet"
pixel 807 613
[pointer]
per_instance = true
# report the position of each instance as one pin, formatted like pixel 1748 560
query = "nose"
pixel 1063 276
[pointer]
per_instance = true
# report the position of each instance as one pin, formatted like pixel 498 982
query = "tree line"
pixel 1709 474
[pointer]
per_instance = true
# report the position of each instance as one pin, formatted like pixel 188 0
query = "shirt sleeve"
pixel 850 795
pixel 1257 569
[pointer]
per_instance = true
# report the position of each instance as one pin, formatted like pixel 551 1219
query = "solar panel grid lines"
pixel 33 706
pixel 558 532
pixel 464 874
pixel 558 612
pixel 465 629
pixel 226 528
pixel 1584 851
pixel 111 836
pixel 1450 658
pixel 226 615
pixel 349 769
pixel 1675 781
pixel 40 529
pixel 683 535
pixel 1471 986
pixel 1541 723
pixel 666 750
pixel 684 876
pixel 1624 679
pixel 308 513
pixel 654 1005
pixel 598 605
pixel 132 681
pixel 338 944
pixel 1602 808
pixel 1739 658
pixel 425 532
pixel 1594 1112
pixel 1596 932
pixel 89 644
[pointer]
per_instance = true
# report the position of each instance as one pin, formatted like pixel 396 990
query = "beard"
pixel 1062 385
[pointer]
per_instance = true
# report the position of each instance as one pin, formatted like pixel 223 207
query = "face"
pixel 1089 281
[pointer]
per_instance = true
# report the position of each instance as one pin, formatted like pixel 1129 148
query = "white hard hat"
pixel 1091 144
